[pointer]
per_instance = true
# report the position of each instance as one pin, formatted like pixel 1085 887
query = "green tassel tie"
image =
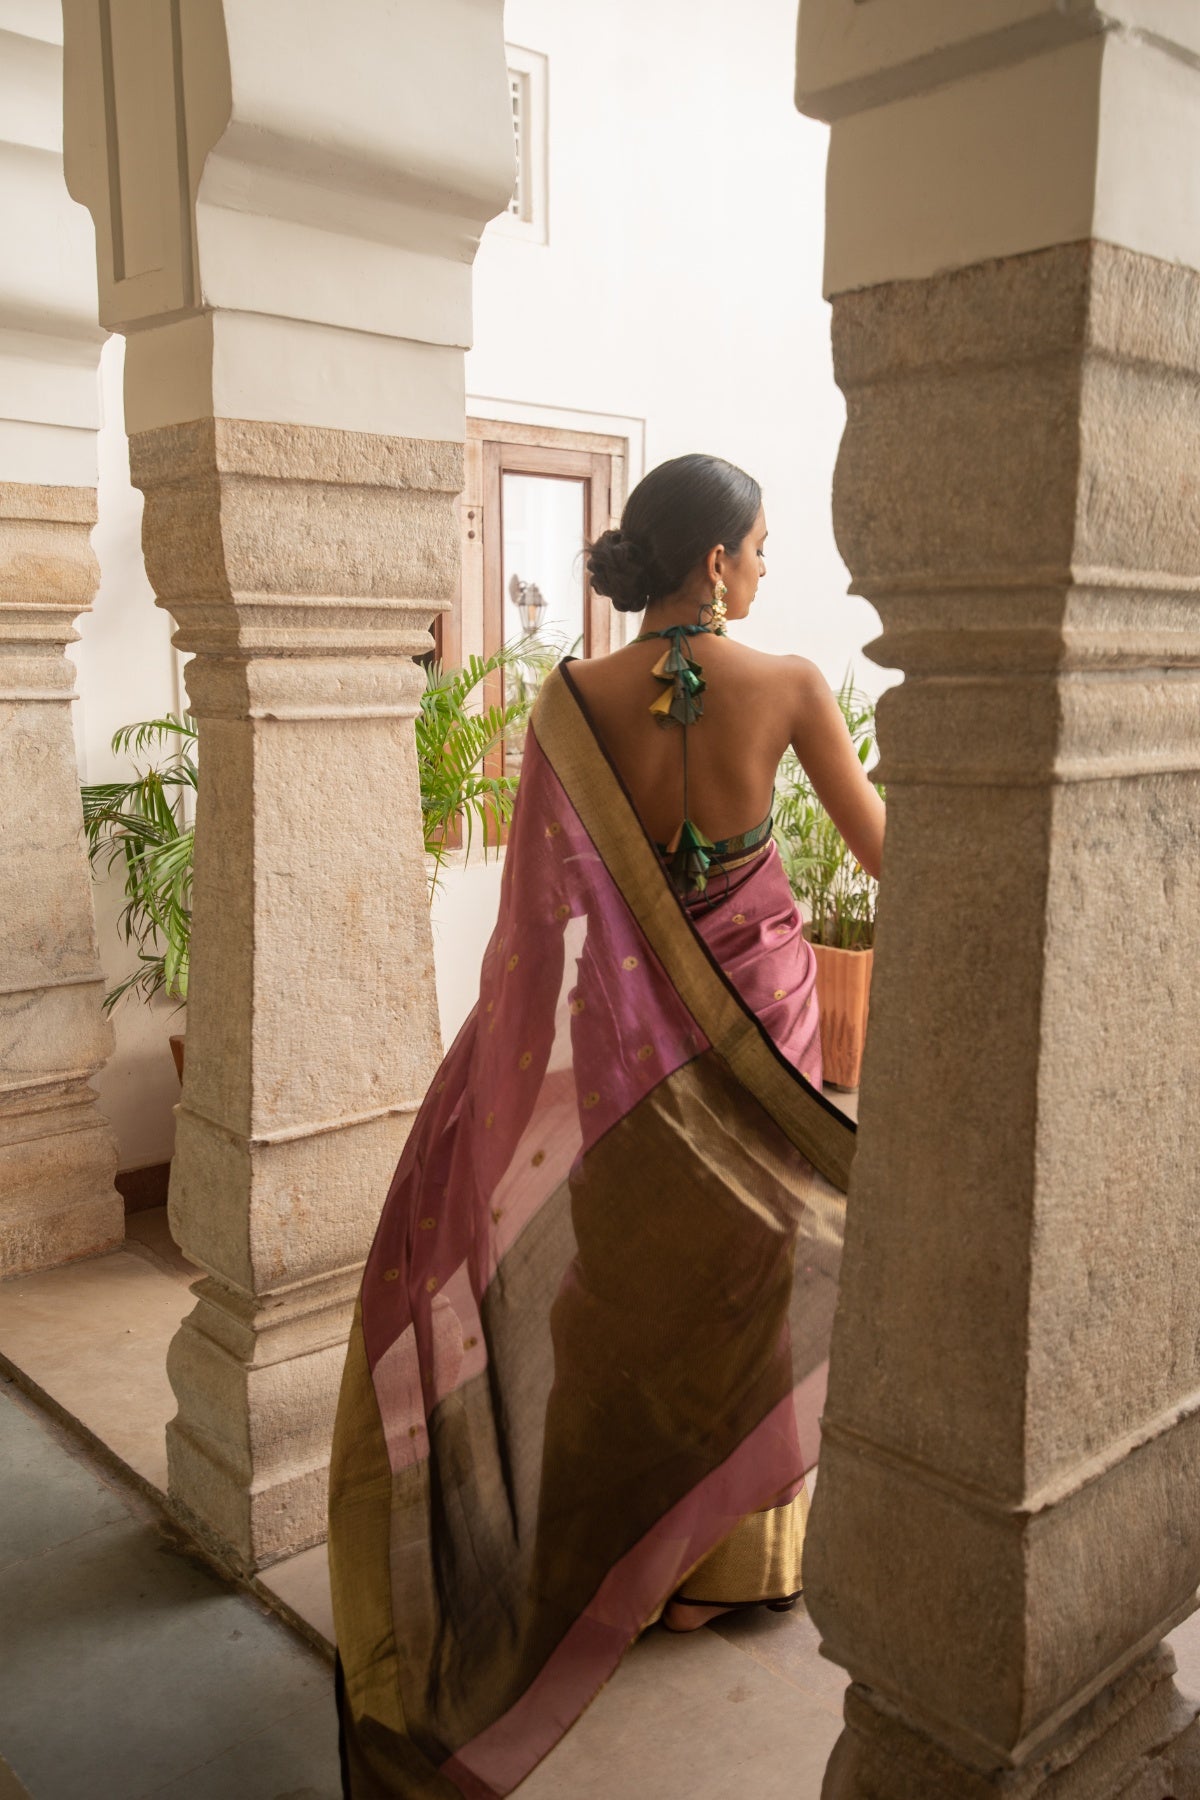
pixel 682 703
pixel 689 859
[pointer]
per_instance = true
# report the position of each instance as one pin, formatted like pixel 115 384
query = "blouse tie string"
pixel 682 703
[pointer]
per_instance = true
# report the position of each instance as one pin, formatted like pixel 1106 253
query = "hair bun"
pixel 620 568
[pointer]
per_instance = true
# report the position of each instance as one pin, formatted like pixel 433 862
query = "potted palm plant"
pixel 144 824
pixel 837 897
pixel 457 739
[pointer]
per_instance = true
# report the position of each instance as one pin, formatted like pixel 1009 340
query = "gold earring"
pixel 719 611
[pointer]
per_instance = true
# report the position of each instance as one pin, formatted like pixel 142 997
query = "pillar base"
pixel 248 1452
pixel 1137 1740
pixel 58 1202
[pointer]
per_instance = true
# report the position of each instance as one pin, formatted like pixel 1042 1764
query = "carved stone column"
pixel 57 1155
pixel 312 1021
pixel 291 262
pixel 1005 1524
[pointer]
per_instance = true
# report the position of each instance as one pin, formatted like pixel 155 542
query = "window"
pixel 532 498
pixel 521 204
pixel 526 216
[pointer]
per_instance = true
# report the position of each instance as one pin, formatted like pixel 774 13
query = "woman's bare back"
pixel 755 706
pixel 734 749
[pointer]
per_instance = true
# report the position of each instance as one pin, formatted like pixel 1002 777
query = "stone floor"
pixel 128 1669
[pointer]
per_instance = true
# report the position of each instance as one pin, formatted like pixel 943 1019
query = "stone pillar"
pixel 295 404
pixel 1005 1524
pixel 57 1155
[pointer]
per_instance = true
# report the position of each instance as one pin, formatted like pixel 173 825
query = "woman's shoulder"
pixel 614 666
pixel 771 672
pixel 783 670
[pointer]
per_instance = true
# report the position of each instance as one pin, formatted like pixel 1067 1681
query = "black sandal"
pixel 776 1606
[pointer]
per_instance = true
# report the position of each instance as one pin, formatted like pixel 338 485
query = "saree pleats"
pixel 589 1357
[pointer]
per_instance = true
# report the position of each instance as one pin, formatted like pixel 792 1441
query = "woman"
pixel 585 1373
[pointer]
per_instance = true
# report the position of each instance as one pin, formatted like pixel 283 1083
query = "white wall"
pixel 682 279
pixel 464 911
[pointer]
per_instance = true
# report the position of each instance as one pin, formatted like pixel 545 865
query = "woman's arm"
pixel 825 748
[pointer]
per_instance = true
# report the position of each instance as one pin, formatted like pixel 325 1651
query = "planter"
pixel 176 1043
pixel 843 996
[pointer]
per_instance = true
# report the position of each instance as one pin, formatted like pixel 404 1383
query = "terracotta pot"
pixel 844 997
pixel 176 1043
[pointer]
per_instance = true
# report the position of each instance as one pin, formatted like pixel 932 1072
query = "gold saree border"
pixel 360 1481
pixel 565 733
pixel 762 1559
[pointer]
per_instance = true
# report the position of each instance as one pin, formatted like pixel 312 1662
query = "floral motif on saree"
pixel 593 1325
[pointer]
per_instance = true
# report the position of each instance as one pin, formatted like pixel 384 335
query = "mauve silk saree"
pixel 594 1322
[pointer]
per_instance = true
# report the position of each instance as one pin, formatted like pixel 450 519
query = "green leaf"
pixel 826 879
pixel 139 824
pixel 457 730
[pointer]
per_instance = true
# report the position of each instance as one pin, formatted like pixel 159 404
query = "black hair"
pixel 675 515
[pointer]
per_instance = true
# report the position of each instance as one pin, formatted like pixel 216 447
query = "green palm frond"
pixel 456 734
pixel 826 878
pixel 133 739
pixel 140 824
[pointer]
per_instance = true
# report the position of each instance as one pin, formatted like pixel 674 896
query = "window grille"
pixel 526 213
pixel 518 82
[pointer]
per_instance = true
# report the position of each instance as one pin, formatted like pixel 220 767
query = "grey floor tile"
pixel 691 1719
pixel 302 1582
pixel 46 1497
pixel 126 1665
pixel 295 1759
pixel 790 1646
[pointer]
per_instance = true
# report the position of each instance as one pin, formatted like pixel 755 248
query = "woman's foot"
pixel 681 1615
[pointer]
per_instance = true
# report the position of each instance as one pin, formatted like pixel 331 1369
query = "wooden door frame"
pixel 555 462
pixel 482 526
pixel 495 448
